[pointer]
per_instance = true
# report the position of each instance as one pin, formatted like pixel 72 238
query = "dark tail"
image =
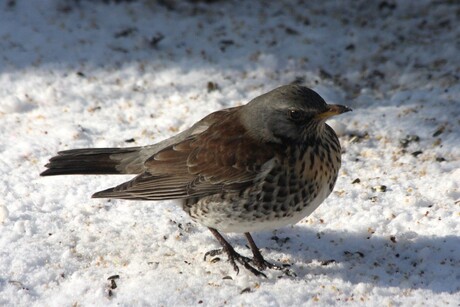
pixel 91 161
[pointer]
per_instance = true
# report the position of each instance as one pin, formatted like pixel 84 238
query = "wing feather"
pixel 223 157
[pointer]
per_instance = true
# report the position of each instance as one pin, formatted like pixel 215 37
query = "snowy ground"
pixel 98 73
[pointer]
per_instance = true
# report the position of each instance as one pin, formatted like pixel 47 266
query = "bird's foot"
pixel 263 264
pixel 234 257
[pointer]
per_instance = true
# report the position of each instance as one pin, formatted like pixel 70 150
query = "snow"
pixel 126 73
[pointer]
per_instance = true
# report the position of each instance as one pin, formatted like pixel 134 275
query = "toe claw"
pixel 213 253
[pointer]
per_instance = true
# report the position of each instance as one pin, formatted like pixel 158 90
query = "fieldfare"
pixel 255 167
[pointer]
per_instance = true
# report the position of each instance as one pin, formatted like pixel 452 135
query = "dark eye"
pixel 296 115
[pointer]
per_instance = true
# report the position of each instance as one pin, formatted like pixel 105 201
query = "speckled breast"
pixel 287 190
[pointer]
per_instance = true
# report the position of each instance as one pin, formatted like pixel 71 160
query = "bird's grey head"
pixel 289 113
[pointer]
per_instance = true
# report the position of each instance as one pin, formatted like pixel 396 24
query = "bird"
pixel 256 167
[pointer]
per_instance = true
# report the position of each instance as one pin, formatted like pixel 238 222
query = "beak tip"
pixel 334 109
pixel 347 109
pixel 340 109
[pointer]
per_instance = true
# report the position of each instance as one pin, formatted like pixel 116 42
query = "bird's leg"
pixel 258 259
pixel 233 256
pixel 261 263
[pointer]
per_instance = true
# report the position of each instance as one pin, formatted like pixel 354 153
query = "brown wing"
pixel 221 158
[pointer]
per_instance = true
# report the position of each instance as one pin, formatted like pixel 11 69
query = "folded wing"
pixel 214 160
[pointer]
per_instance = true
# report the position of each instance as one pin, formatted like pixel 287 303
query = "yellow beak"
pixel 333 109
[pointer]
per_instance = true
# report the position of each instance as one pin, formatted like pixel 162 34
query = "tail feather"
pixel 91 161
